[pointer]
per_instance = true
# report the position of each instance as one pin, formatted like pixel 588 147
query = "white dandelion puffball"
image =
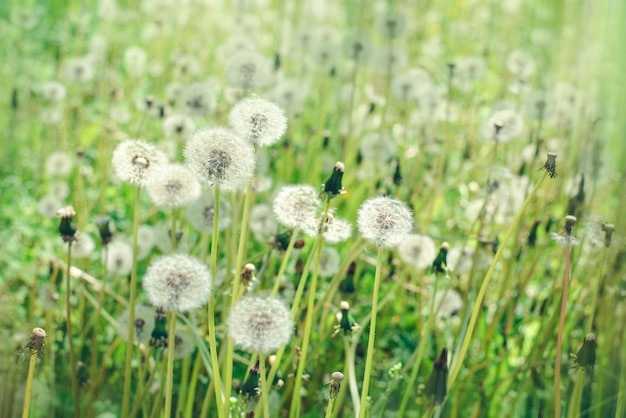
pixel 135 160
pixel 336 230
pixel 503 126
pixel 173 185
pixel 248 69
pixel 201 213
pixel 261 122
pixel 177 283
pixel 260 325
pixel 384 221
pixel 418 251
pixel 59 164
pixel 297 207
pixel 143 325
pixel 119 259
pixel 220 157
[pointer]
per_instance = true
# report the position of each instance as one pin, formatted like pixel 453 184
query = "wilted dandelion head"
pixel 177 126
pixel 384 221
pixel 173 185
pixel 201 213
pixel 248 69
pixel 417 251
pixel 260 324
pixel 59 164
pixel 220 157
pixel 134 161
pixel 143 324
pixel 259 121
pixel 177 283
pixel 503 125
pixel 119 259
pixel 297 206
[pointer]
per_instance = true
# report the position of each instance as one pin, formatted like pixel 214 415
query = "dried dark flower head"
pixel 158 338
pixel 440 264
pixel 608 230
pixel 251 388
pixel 333 187
pixel 67 227
pixel 36 341
pixel 437 384
pixel 104 226
pixel 248 278
pixel 335 384
pixel 586 356
pixel 566 236
pixel 550 165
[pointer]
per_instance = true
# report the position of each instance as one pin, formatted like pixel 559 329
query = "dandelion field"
pixel 312 208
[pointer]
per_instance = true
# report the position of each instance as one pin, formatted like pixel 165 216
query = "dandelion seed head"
pixel 196 100
pixel 260 325
pixel 83 246
pixel 248 69
pixel 178 126
pixel 329 262
pixel 521 64
pixel 53 91
pixel 263 222
pixel 219 156
pixel 184 343
pixel 259 121
pixel 143 324
pixel 135 59
pixel 173 185
pixel 134 161
pixel 384 221
pixel 503 125
pixel 78 70
pixel 177 283
pixel 297 206
pixel 336 230
pixel 201 213
pixel 59 164
pixel 390 24
pixel 417 251
pixel 119 259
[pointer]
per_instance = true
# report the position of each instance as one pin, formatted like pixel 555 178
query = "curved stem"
pixel 372 335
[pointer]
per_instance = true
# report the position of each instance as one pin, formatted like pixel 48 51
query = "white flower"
pixel 260 325
pixel 259 121
pixel 219 156
pixel 173 185
pixel 297 207
pixel 135 160
pixel 384 221
pixel 177 283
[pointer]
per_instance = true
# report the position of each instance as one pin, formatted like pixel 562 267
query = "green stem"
pixel 131 307
pixel 169 380
pixel 354 387
pixel 264 387
pixel 372 335
pixel 70 337
pixel 285 261
pixel 559 341
pixel 29 381
pixel 228 378
pixel 483 288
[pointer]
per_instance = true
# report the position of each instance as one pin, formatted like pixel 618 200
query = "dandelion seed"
pixel 261 122
pixel 173 185
pixel 135 160
pixel 297 207
pixel 417 251
pixel 59 164
pixel 384 221
pixel 260 325
pixel 177 283
pixel 219 156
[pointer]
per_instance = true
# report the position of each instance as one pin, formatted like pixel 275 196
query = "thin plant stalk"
pixel 35 350
pixel 228 377
pixel 211 308
pixel 169 380
pixel 476 309
pixel 70 336
pixel 354 388
pixel 264 387
pixel 285 261
pixel 372 335
pixel 131 307
pixel 420 351
pixel 559 341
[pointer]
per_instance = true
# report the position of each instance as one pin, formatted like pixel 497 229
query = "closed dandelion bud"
pixel 220 157
pixel 550 165
pixel 248 278
pixel 440 264
pixel 67 227
pixel 297 207
pixel 333 186
pixel 173 185
pixel 346 323
pixel 135 160
pixel 437 384
pixel 417 251
pixel 177 283
pixel 158 337
pixel 384 221
pixel 251 388
pixel 586 356
pixel 335 384
pixel 397 175
pixel 260 325
pixel 260 122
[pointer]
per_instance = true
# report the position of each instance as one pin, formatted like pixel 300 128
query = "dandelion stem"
pixel 235 296
pixel 476 309
pixel 29 381
pixel 354 388
pixel 264 387
pixel 70 337
pixel 559 341
pixel 131 307
pixel 285 261
pixel 169 380
pixel 372 335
